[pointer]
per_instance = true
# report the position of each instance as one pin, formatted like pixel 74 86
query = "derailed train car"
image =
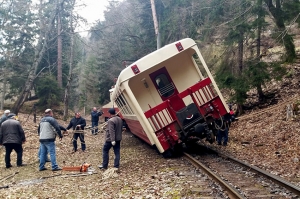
pixel 169 98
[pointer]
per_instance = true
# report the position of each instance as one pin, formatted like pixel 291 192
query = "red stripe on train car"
pixel 137 129
pixel 156 109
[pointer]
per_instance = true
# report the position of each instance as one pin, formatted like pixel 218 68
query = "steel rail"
pixel 278 180
pixel 232 192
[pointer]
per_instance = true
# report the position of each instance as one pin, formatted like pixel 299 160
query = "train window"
pixel 127 105
pixel 198 62
pixel 165 87
pixel 122 103
pixel 163 83
pixel 119 104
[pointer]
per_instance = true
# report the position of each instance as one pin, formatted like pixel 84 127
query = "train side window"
pixel 127 105
pixel 165 87
pixel 123 104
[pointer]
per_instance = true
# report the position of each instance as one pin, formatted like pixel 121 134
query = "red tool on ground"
pixel 83 168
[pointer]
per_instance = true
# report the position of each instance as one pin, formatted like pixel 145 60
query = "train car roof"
pixel 153 59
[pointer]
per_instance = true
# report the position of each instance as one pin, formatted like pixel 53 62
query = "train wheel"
pixel 168 154
pixel 211 137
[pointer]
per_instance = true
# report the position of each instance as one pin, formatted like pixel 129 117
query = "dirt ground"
pixel 143 172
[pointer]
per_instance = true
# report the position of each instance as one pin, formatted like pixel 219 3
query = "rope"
pixel 220 127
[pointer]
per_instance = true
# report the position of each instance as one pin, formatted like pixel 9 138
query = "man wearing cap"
pixel 4 116
pixel 113 137
pixel 12 136
pixel 78 123
pixel 47 130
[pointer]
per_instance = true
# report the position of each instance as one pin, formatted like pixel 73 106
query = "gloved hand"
pixel 113 143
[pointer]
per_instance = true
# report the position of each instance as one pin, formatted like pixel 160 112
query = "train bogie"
pixel 166 100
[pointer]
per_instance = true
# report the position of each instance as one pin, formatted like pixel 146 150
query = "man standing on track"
pixel 78 123
pixel 95 120
pixel 113 137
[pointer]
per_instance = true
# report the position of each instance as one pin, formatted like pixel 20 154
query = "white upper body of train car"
pixel 153 79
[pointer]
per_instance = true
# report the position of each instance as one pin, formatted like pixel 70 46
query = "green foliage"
pixel 257 73
pixel 239 85
pixel 277 71
pixel 291 10
pixel 289 44
pixel 48 91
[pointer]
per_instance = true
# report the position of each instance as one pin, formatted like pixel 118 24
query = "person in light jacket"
pixel 47 130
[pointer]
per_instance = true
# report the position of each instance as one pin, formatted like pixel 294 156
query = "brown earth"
pixel 143 172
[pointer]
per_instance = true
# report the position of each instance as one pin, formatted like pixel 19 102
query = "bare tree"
pixel 67 89
pixel 39 52
pixel 59 45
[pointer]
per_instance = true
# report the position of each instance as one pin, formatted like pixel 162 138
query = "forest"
pixel 44 57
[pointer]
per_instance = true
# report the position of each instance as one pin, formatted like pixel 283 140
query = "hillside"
pixel 266 136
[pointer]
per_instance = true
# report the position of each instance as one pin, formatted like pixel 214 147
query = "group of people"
pixel 12 136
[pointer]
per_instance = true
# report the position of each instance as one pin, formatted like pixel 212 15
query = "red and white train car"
pixel 169 97
pixel 109 105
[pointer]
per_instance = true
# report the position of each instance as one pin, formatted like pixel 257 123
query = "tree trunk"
pixel 240 54
pixel 260 16
pixel 38 55
pixel 59 46
pixel 67 89
pixel 259 27
pixel 261 95
pixel 279 20
pixel 4 85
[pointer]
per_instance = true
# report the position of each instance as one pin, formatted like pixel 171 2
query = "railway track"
pixel 241 180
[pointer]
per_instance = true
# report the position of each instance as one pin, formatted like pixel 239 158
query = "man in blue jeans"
pixel 39 152
pixel 113 137
pixel 95 120
pixel 47 130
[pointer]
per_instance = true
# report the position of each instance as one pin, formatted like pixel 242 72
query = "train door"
pixel 166 88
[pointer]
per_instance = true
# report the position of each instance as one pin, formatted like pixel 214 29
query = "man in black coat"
pixel 12 136
pixel 78 123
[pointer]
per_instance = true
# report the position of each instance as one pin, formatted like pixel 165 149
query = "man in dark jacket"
pixel 12 137
pixel 47 130
pixel 95 120
pixel 78 123
pixel 113 137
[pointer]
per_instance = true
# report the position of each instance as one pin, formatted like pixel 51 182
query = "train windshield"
pixel 163 83
pixel 165 87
